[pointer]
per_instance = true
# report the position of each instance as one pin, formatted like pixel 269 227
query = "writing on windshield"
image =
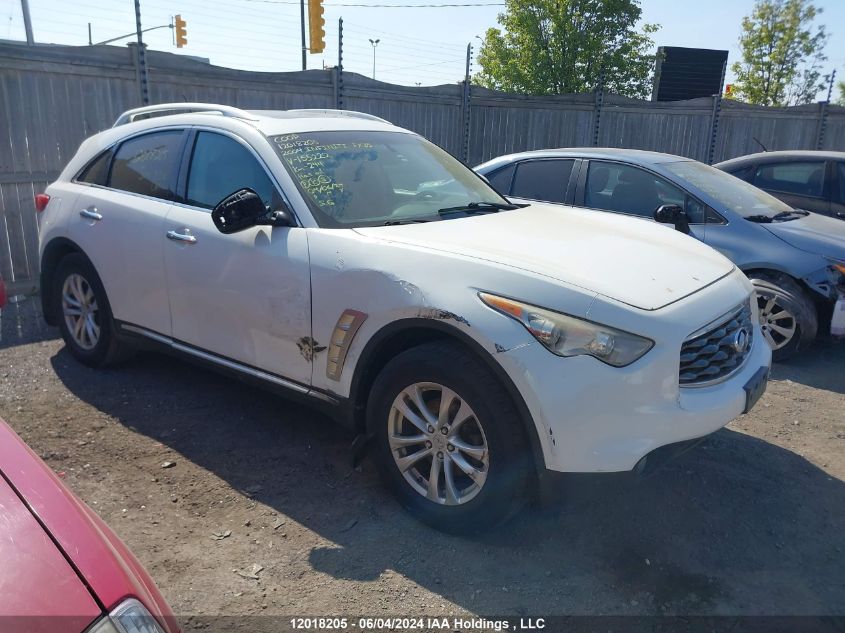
pixel 366 177
pixel 314 166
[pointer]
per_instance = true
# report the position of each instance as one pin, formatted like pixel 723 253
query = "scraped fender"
pixel 402 334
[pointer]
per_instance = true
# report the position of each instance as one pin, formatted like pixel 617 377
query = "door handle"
pixel 91 214
pixel 181 237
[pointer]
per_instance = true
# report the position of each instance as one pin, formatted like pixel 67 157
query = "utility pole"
pixel 27 22
pixel 90 39
pixel 374 43
pixel 302 25
pixel 142 57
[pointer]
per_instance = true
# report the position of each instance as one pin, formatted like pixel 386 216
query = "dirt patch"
pixel 260 511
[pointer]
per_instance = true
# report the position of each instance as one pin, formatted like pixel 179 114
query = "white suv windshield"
pixel 737 195
pixel 360 178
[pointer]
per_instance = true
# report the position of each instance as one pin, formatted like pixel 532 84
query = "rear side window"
pixel 501 179
pixel 841 167
pixel 97 171
pixel 147 164
pixel 743 173
pixel 799 178
pixel 542 180
pixel 221 166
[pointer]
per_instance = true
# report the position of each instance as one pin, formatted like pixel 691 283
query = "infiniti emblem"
pixel 739 341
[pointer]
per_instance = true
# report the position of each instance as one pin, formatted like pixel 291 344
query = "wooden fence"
pixel 52 97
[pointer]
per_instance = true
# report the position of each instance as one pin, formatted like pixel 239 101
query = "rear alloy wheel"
pixel 787 315
pixel 448 440
pixel 85 318
pixel 80 311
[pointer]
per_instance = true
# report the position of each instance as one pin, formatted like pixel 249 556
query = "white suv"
pixel 475 343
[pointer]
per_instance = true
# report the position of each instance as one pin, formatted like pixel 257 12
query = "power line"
pixel 390 6
pixel 366 29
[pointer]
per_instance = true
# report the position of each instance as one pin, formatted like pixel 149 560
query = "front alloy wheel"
pixel 438 443
pixel 776 321
pixel 447 438
pixel 788 318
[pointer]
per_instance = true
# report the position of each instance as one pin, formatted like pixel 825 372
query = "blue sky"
pixel 416 45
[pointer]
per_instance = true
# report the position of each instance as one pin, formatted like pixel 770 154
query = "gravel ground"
pixel 749 522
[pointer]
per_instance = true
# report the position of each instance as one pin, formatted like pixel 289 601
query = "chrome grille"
pixel 719 351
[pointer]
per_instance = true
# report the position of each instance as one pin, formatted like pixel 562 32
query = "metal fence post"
pixel 821 128
pixel 142 57
pixel 339 68
pixel 465 108
pixel 598 108
pixel 714 127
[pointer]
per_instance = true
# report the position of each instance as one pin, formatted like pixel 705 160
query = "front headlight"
pixel 837 265
pixel 130 616
pixel 565 335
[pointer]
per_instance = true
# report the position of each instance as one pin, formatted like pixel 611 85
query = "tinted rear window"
pixel 501 179
pixel 97 171
pixel 542 180
pixel 147 164
pixel 841 167
pixel 804 178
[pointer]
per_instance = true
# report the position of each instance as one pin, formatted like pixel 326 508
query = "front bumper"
pixel 591 417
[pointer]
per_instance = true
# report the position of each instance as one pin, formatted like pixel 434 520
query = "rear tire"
pixel 474 448
pixel 788 315
pixel 84 314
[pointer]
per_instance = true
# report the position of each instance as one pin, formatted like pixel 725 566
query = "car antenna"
pixel 765 149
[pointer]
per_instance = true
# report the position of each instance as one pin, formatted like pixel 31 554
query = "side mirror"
pixel 673 214
pixel 243 209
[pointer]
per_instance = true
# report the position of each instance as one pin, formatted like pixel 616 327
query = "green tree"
pixel 782 53
pixel 561 46
pixel 841 86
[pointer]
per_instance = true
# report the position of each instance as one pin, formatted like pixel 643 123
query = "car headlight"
pixel 838 266
pixel 565 335
pixel 130 616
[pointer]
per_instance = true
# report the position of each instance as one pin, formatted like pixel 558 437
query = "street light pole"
pixel 374 43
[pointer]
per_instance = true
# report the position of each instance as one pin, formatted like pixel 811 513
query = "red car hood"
pixel 100 559
pixel 31 564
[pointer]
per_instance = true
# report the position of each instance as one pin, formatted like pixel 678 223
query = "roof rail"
pixel 165 109
pixel 318 112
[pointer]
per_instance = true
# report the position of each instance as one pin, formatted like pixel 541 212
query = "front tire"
pixel 448 440
pixel 788 316
pixel 84 315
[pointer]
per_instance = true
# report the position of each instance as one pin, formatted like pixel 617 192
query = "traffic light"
pixel 316 26
pixel 181 32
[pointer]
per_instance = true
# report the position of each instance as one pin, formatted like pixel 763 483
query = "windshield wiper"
pixel 478 207
pixel 405 221
pixel 782 216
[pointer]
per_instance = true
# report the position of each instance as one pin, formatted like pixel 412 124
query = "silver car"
pixel 795 258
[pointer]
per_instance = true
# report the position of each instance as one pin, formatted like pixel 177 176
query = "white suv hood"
pixel 634 261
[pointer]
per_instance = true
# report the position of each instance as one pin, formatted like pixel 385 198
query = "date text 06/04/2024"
pixel 415 623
